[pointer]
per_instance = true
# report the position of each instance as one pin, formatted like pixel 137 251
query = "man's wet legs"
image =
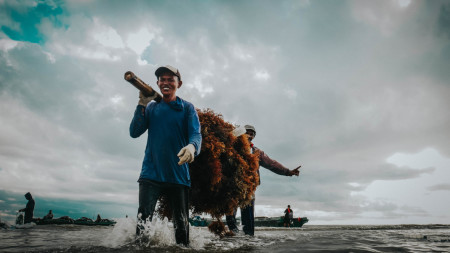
pixel 231 222
pixel 248 218
pixel 179 201
pixel 149 193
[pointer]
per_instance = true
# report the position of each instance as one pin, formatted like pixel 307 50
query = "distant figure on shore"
pixel 288 216
pixel 49 216
pixel 98 218
pixel 29 209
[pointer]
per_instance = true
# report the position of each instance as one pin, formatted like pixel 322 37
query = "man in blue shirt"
pixel 174 139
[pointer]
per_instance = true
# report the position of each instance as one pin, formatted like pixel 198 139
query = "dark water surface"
pixel 310 238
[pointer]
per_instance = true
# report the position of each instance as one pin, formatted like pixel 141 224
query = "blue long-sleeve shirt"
pixel 171 126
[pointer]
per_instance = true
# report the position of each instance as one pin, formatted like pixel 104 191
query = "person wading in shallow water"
pixel 288 215
pixel 174 139
pixel 248 212
pixel 29 208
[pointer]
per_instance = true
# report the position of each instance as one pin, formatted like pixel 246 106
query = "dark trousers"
pixel 231 221
pixel 178 196
pixel 247 218
pixel 28 217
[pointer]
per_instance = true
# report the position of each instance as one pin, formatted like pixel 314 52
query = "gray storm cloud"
pixel 337 86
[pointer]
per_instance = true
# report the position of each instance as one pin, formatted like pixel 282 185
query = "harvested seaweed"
pixel 224 175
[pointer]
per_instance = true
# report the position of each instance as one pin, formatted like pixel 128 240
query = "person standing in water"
pixel 248 212
pixel 174 139
pixel 29 208
pixel 288 215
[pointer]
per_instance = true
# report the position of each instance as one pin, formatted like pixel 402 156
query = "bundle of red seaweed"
pixel 224 175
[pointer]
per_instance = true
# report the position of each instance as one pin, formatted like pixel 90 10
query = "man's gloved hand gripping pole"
pixel 143 100
pixel 147 93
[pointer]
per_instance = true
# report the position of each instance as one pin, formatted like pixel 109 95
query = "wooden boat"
pixel 89 222
pixel 279 221
pixel 197 221
pixel 259 221
pixel 81 221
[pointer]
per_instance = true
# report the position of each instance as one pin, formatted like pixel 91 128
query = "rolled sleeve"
pixel 272 165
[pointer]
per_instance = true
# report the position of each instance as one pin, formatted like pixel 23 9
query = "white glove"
pixel 238 131
pixel 143 100
pixel 186 154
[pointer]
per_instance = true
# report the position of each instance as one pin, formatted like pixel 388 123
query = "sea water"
pixel 309 238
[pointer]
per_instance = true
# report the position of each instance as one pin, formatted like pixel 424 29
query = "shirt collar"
pixel 177 104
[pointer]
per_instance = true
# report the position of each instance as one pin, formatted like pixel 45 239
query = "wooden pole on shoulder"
pixel 146 89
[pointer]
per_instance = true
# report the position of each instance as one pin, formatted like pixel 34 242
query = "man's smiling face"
pixel 168 84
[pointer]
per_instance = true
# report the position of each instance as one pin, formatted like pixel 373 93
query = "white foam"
pixel 123 233
pixel 26 225
pixel 159 233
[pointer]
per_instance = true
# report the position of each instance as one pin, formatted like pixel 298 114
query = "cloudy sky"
pixel 357 92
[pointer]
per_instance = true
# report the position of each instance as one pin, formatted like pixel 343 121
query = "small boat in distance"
pixel 197 221
pixel 81 221
pixel 279 221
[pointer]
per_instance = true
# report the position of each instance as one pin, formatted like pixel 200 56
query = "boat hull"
pixel 75 222
pixel 279 222
pixel 259 222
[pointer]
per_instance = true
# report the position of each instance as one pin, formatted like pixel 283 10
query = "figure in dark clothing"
pixel 288 215
pixel 29 209
pixel 248 212
pixel 49 216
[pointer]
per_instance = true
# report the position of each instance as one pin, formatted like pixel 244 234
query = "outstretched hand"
pixel 295 171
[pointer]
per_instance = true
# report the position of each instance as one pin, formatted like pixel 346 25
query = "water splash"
pixel 157 233
pixel 123 234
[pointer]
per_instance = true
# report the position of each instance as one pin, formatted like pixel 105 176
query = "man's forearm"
pixel 138 125
pixel 272 165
